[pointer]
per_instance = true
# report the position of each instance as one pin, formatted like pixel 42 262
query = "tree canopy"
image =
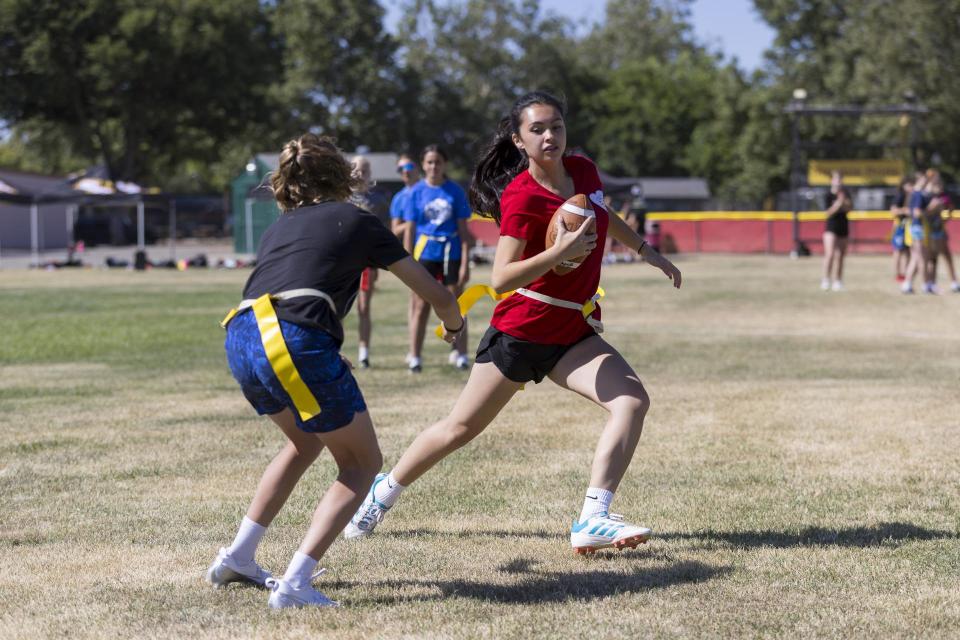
pixel 179 93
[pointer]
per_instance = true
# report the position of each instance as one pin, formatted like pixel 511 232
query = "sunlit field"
pixel 800 467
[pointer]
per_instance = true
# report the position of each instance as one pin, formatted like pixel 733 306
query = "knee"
pixel 361 470
pixel 458 434
pixel 633 407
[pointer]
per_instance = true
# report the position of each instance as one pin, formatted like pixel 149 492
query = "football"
pixel 574 212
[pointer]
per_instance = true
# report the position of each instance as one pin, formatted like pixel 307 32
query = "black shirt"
pixel 326 247
pixel 832 197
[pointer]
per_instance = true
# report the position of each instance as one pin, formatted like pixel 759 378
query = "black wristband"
pixel 457 330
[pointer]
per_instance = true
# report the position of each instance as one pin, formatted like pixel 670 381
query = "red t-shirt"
pixel 526 208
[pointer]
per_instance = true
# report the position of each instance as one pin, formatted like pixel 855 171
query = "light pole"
pixel 799 97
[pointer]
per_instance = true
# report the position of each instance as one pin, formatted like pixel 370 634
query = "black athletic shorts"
pixel 838 225
pixel 450 275
pixel 520 360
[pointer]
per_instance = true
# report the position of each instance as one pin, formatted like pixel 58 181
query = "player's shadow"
pixel 473 533
pixel 882 534
pixel 532 586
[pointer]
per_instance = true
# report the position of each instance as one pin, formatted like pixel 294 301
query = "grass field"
pixel 800 468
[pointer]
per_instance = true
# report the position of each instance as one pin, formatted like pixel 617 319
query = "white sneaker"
pixel 825 284
pixel 906 287
pixel 955 287
pixel 225 570
pixel 369 515
pixel 283 595
pixel 462 362
pixel 837 285
pixel 929 287
pixel 452 357
pixel 606 531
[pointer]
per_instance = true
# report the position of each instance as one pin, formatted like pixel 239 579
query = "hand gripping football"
pixel 574 213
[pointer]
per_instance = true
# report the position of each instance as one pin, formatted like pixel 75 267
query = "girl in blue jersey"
pixel 437 210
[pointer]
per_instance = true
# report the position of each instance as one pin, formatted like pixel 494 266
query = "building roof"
pixel 383 165
pixel 658 188
pixel 33 184
pixel 674 188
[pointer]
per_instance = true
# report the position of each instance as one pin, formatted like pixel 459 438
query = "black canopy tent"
pixel 77 199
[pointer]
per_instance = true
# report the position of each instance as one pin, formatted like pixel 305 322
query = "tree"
pixel 871 52
pixel 139 86
pixel 340 77
pixel 467 62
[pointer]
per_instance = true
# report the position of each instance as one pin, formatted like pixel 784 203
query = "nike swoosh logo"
pixel 593 497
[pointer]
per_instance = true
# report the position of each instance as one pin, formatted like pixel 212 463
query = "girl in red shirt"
pixel 541 329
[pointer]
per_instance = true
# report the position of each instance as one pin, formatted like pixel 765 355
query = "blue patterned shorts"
pixel 317 357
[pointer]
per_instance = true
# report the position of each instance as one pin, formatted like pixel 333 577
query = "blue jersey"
pixel 435 212
pixel 399 202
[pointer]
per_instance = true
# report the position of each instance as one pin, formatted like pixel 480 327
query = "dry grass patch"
pixel 800 468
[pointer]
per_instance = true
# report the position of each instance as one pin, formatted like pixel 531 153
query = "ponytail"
pixel 502 161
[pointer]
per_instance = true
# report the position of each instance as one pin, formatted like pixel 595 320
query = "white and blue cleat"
pixel 607 531
pixel 369 515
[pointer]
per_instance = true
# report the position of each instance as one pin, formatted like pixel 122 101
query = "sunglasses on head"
pixel 406 166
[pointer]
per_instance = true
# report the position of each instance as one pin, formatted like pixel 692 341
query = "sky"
pixel 731 26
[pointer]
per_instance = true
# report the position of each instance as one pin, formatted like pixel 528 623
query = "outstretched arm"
pixel 621 231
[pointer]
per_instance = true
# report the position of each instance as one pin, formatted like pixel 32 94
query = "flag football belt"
pixel 422 244
pixel 276 349
pixel 470 297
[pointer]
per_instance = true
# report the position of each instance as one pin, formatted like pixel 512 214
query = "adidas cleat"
pixel 606 532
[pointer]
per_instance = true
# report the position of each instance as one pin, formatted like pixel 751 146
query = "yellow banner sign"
pixel 857 172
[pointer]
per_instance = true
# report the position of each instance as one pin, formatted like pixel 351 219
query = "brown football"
pixel 574 212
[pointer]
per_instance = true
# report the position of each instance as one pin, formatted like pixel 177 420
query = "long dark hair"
pixel 501 161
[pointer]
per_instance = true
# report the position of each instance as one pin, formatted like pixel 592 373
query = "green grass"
pixel 800 467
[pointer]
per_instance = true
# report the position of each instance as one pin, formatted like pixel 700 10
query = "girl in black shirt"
pixel 283 346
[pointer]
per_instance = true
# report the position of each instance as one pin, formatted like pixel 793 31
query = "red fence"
pixel 750 231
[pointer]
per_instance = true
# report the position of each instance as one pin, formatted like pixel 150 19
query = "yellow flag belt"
pixel 276 349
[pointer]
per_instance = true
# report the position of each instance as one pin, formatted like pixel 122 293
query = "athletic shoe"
pixel 365 363
pixel 606 531
pixel 225 569
pixel 369 515
pixel 462 363
pixel 825 285
pixel 929 287
pixel 837 285
pixel 955 287
pixel 906 288
pixel 452 357
pixel 284 595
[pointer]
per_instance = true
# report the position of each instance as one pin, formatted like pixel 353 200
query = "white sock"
pixel 597 502
pixel 414 362
pixel 388 491
pixel 299 571
pixel 364 353
pixel 244 546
